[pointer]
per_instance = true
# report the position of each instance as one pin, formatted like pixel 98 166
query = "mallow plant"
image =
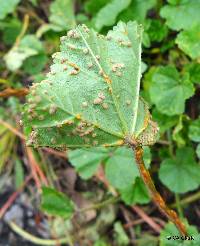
pixel 91 98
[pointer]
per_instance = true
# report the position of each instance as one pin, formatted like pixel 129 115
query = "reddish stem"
pixel 158 200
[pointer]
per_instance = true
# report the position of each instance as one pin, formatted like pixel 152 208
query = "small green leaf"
pixel 164 122
pixel 169 91
pixel 182 173
pixel 121 171
pixel 91 95
pixel 157 31
pixel 180 131
pixel 86 161
pixel 194 130
pixel 7 7
pixel 62 15
pixel 93 6
pixel 108 14
pixel 135 193
pixel 11 29
pixel 56 203
pixel 19 174
pixel 194 70
pixel 198 151
pixel 28 46
pixel 189 42
pixel 120 235
pixel 184 15
pixel 137 11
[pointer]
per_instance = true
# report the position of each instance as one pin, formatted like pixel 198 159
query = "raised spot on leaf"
pixel 53 140
pixel 74 72
pixel 73 34
pixel 97 100
pixel 85 51
pixel 90 65
pixel 128 102
pixel 98 57
pixel 105 106
pixel 71 46
pixel 52 109
pixel 78 117
pixel 84 104
pixel 65 68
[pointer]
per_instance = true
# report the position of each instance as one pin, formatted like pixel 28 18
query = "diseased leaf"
pixel 91 96
pixel 189 42
pixel 108 14
pixel 194 130
pixel 7 7
pixel 181 174
pixel 183 15
pixel 56 203
pixel 169 91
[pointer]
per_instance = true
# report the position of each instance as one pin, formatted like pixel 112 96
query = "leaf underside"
pixel 91 95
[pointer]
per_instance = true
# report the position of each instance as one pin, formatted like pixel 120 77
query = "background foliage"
pixel 101 187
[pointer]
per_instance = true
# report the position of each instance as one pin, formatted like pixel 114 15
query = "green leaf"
pixel 29 46
pixel 157 31
pixel 194 130
pixel 86 161
pixel 11 29
pixel 184 15
pixel 62 15
pixel 120 235
pixel 135 193
pixel 93 6
pixel 19 174
pixel 121 169
pixel 182 173
pixel 108 14
pixel 91 96
pixel 180 131
pixel 7 7
pixel 137 10
pixel 198 151
pixel 194 70
pixel 169 91
pixel 189 42
pixel 170 230
pixel 164 122
pixel 35 64
pixel 56 203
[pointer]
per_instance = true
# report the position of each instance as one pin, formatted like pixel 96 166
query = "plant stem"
pixel 178 205
pixel 158 200
pixel 100 204
pixel 36 240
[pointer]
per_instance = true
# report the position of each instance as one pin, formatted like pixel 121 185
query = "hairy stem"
pixel 158 200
